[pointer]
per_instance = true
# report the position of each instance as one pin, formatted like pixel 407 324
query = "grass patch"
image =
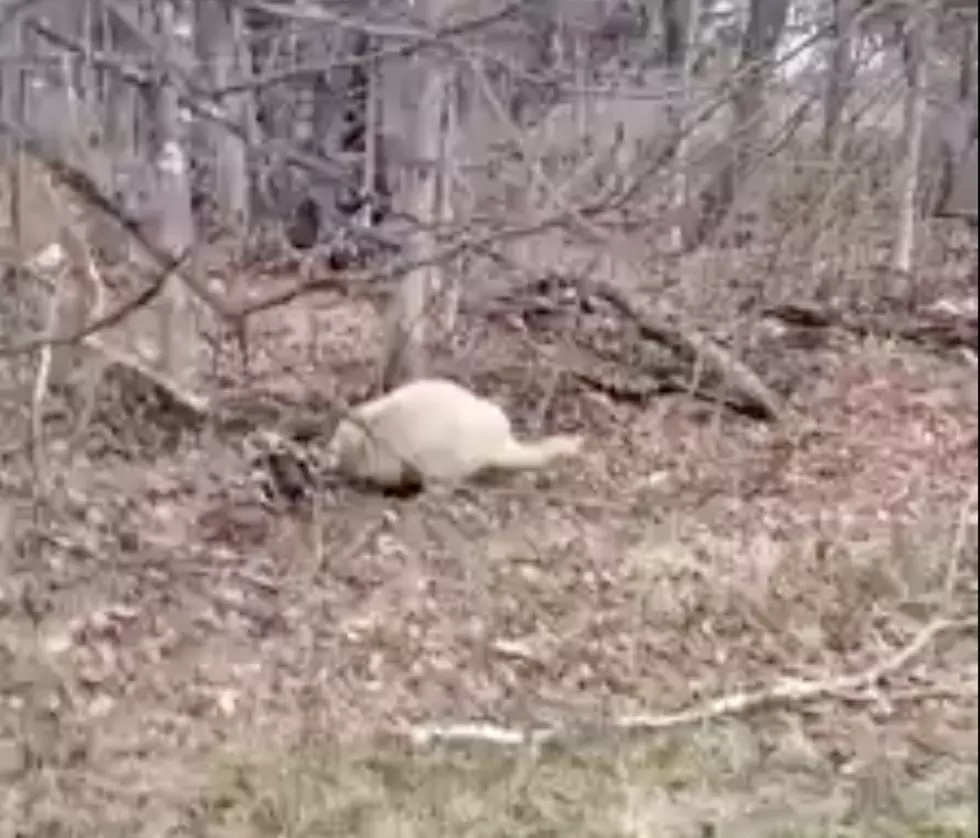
pixel 720 781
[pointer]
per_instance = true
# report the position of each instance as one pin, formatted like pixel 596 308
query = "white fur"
pixel 434 430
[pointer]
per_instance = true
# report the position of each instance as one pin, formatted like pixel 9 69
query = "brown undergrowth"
pixel 178 661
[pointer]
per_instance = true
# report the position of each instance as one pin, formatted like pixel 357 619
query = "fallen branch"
pixel 749 394
pixel 944 327
pixel 759 397
pixel 787 692
pixel 198 406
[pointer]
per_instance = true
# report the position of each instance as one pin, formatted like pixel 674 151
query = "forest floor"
pixel 176 660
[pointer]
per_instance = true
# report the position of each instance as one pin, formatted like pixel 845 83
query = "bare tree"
pixel 173 224
pixel 680 28
pixel 13 109
pixel 766 22
pixel 916 42
pixel 404 351
pixel 958 126
pixel 840 73
pixel 225 54
pixel 121 132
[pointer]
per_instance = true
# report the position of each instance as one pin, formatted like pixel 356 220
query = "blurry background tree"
pixel 369 128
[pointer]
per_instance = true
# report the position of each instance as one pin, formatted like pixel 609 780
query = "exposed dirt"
pixel 152 610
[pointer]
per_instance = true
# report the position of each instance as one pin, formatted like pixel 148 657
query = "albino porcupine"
pixel 434 431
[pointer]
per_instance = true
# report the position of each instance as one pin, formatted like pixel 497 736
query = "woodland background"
pixel 733 242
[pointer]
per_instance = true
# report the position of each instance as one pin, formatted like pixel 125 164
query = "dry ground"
pixel 175 661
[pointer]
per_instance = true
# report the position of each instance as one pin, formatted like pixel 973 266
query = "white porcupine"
pixel 433 430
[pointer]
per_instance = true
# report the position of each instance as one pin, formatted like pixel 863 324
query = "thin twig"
pixel 790 691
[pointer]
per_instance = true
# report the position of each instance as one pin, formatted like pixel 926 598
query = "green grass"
pixel 719 782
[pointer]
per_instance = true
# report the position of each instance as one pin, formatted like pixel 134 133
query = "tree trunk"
pixel 224 53
pixel 767 20
pixel 405 350
pixel 840 75
pixel 174 226
pixel 13 109
pixel 915 45
pixel 680 27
